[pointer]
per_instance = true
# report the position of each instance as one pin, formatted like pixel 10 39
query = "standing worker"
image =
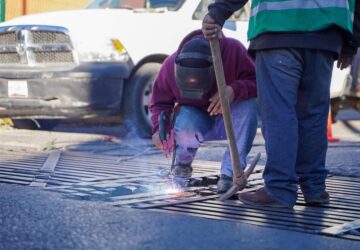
pixel 187 78
pixel 295 44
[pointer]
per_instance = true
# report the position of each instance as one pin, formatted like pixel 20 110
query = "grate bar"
pixel 345 200
pixel 343 183
pixel 77 175
pixel 46 170
pixel 282 216
pixel 106 179
pixel 234 219
pixel 17 174
pixel 183 201
pixel 14 181
pixel 118 177
pixel 154 193
pixel 12 177
pixel 51 161
pixel 152 199
pixel 343 228
pixel 298 209
pixel 21 161
pixel 296 212
pixel 173 210
pixel 246 219
pixel 22 166
pixel 103 169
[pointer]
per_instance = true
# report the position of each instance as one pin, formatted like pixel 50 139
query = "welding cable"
pixel 167 172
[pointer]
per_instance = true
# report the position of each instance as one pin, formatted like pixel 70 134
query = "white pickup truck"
pixel 99 61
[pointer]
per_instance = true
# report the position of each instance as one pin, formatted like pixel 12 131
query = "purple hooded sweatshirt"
pixel 239 73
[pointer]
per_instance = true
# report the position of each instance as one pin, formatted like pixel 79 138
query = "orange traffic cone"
pixel 330 137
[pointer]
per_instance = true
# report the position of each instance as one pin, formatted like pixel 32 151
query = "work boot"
pixel 224 184
pixel 181 171
pixel 322 199
pixel 259 198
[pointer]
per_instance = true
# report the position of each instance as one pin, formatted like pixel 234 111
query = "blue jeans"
pixel 293 95
pixel 193 126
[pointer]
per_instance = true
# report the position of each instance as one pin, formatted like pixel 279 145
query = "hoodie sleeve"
pixel 239 70
pixel 221 10
pixel 162 98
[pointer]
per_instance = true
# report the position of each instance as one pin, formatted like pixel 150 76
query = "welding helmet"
pixel 194 71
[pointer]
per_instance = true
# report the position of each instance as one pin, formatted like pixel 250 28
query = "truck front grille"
pixel 35 46
pixel 49 37
pixel 7 38
pixel 53 57
pixel 10 58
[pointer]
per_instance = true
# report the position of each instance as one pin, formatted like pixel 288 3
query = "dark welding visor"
pixel 194 74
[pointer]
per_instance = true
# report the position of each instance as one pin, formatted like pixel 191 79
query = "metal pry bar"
pixel 248 172
pixel 239 178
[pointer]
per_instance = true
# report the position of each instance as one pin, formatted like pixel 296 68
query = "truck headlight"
pixel 111 51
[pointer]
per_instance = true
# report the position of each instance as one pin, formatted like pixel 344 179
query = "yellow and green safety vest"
pixel 299 15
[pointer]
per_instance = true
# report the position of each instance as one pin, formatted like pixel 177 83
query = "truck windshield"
pixel 135 4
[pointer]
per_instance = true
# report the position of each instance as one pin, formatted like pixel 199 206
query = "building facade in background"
pixel 14 8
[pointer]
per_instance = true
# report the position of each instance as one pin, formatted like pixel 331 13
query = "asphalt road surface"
pixel 33 218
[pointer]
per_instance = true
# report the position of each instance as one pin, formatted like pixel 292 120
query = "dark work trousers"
pixel 193 127
pixel 294 95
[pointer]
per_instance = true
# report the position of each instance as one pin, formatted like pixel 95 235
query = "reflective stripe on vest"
pixel 299 15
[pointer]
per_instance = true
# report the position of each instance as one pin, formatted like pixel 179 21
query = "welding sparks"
pixel 172 190
pixel 168 188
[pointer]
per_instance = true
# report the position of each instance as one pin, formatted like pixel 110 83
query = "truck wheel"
pixel 38 124
pixel 137 94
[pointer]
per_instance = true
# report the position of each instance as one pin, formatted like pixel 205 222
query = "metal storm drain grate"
pixel 341 217
pixel 20 167
pixel 135 182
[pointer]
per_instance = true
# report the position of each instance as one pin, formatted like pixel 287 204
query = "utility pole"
pixel 2 10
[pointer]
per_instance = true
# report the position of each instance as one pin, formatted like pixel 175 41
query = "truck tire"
pixel 137 94
pixel 38 124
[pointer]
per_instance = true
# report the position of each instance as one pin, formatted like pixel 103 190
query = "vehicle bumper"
pixel 88 90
